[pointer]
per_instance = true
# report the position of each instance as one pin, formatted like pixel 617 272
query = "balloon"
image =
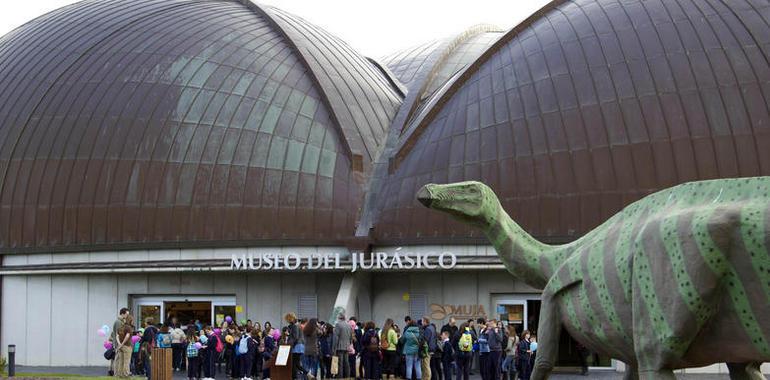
pixel 228 319
pixel 198 345
pixel 204 339
pixel 106 328
pixel 533 346
pixel 135 339
pixel 107 345
pixel 101 332
pixel 229 339
pixel 243 321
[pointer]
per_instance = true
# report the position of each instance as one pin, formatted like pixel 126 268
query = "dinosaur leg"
pixel 632 373
pixel 745 371
pixel 549 331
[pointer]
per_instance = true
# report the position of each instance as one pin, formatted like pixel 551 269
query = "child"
pixel 193 361
pixel 135 355
pixel 447 355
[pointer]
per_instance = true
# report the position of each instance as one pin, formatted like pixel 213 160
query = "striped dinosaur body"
pixel 680 278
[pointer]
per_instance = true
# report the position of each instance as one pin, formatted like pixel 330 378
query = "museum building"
pixel 208 158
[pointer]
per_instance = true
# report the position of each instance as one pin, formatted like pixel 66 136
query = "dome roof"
pixel 585 107
pixel 147 123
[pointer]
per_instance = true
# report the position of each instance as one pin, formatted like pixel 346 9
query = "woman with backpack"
pixel 509 363
pixel 465 343
pixel 192 352
pixel 412 344
pixel 370 352
pixel 388 343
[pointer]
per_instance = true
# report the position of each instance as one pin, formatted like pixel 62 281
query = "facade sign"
pixel 333 261
pixel 438 311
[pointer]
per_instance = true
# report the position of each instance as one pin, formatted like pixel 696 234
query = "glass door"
pixel 149 309
pixel 223 309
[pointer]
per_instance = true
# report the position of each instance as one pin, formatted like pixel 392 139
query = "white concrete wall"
pixel 53 319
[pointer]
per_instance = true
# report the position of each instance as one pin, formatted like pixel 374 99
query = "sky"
pixel 374 28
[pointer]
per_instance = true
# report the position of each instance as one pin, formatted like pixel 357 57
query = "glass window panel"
pixel 212 109
pixel 326 165
pixel 243 84
pixel 294 155
pixel 203 74
pixel 310 160
pixel 294 102
pixel 196 111
pixel 309 106
pixel 186 72
pixel 251 112
pixel 227 113
pixel 184 103
pixel 270 119
pixel 277 153
pixel 317 131
pixel 301 128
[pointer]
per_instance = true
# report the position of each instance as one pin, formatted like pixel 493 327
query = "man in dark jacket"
pixel 495 340
pixel 446 354
pixel 434 357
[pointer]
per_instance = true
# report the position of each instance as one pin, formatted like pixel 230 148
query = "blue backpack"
pixel 243 345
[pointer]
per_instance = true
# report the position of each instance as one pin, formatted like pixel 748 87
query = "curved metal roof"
pixel 151 123
pixel 587 106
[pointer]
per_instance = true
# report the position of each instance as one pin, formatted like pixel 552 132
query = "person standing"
pixel 123 348
pixel 147 344
pixel 389 343
pixel 311 332
pixel 523 357
pixel 509 364
pixel 325 343
pixel 464 351
pixel 430 367
pixel 342 338
pixel 483 344
pixel 177 345
pixel 412 346
pixel 370 353
pixel 296 340
pixel 446 354
pixel 116 327
pixel 495 342
pixel 193 361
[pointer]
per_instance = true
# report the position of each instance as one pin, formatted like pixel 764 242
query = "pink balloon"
pixel 107 345
pixel 198 345
pixel 135 339
pixel 101 332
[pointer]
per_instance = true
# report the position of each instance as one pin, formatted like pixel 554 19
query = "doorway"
pixel 187 312
pixel 209 310
pixel 523 312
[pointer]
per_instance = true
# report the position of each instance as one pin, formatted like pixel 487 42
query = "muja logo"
pixel 458 311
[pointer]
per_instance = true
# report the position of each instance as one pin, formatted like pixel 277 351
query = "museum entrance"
pixel 187 309
pixel 523 312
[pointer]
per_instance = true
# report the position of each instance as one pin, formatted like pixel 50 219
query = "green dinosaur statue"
pixel 678 279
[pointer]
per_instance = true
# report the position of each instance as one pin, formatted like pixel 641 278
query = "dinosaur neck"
pixel 523 255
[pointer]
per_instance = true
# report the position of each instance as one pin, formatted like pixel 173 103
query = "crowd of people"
pixel 344 349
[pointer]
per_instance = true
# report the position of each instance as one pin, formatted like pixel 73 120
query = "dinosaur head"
pixel 470 202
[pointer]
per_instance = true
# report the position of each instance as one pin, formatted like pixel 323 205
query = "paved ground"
pixel 603 375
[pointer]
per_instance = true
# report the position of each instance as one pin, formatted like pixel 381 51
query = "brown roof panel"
pixel 604 102
pixel 169 123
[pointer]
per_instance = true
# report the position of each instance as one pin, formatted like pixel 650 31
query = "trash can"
pixel 160 364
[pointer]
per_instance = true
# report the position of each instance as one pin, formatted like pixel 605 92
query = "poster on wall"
pixel 219 318
pixel 283 355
